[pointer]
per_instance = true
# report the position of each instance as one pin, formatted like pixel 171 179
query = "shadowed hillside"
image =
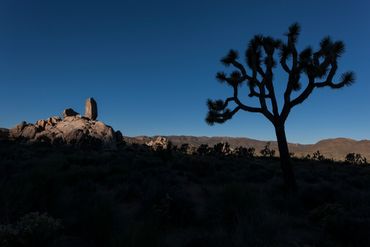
pixel 137 196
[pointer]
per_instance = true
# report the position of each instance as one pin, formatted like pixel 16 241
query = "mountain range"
pixel 336 148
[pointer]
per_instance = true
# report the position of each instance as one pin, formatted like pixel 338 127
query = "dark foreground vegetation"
pixel 135 197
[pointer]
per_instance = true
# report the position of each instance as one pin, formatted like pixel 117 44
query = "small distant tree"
pixel 221 148
pixel 184 148
pixel 267 151
pixel 317 67
pixel 318 156
pixel 355 159
pixel 244 152
pixel 203 149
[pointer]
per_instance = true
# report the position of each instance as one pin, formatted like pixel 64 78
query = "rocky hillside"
pixel 71 129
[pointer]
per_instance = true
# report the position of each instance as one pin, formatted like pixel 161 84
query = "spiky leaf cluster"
pixel 217 117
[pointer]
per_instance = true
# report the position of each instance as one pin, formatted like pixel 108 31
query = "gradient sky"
pixel 151 65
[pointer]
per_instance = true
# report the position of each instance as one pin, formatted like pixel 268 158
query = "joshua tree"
pixel 317 67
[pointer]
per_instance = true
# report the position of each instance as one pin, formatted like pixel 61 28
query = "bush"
pixel 267 151
pixel 348 231
pixel 203 149
pixel 355 159
pixel 318 156
pixel 184 148
pixel 33 229
pixel 245 152
pixel 222 148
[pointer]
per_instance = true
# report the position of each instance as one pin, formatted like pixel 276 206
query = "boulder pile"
pixel 72 129
pixel 159 143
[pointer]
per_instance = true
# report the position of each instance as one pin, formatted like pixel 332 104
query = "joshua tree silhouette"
pixel 318 67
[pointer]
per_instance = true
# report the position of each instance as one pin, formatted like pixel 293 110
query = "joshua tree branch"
pixel 308 90
pixel 226 103
pixel 254 93
pixel 243 71
pixel 284 64
pixel 268 79
pixel 294 57
pixel 329 79
pixel 243 106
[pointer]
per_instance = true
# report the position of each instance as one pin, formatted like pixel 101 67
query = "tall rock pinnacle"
pixel 91 109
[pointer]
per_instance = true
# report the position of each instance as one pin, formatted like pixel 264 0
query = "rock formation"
pixel 71 130
pixel 158 143
pixel 91 109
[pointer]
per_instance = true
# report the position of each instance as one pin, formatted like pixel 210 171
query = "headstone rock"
pixel 91 109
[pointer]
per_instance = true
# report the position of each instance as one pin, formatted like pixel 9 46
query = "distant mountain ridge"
pixel 336 148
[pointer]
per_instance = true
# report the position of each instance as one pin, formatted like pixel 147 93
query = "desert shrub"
pixel 355 159
pixel 345 230
pixel 166 203
pixel 267 151
pixel 245 152
pixel 222 148
pixel 144 234
pixel 165 154
pixel 96 219
pixel 184 148
pixel 323 213
pixel 176 209
pixel 203 149
pixel 313 196
pixel 201 168
pixel 307 157
pixel 33 229
pixel 230 203
pixel 318 156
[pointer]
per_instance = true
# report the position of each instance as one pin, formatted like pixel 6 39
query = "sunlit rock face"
pixel 72 129
pixel 158 143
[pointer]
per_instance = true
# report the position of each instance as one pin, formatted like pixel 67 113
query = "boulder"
pixel 79 132
pixel 91 109
pixel 159 143
pixel 29 132
pixel 16 132
pixel 41 123
pixel 56 119
pixel 69 112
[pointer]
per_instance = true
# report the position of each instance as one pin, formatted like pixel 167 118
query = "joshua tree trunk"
pixel 286 164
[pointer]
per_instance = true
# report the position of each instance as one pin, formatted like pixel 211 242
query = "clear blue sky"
pixel 151 64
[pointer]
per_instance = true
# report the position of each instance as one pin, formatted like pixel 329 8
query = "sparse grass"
pixel 137 197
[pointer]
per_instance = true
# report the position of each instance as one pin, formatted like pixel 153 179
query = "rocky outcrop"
pixel 91 109
pixel 71 130
pixel 158 143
